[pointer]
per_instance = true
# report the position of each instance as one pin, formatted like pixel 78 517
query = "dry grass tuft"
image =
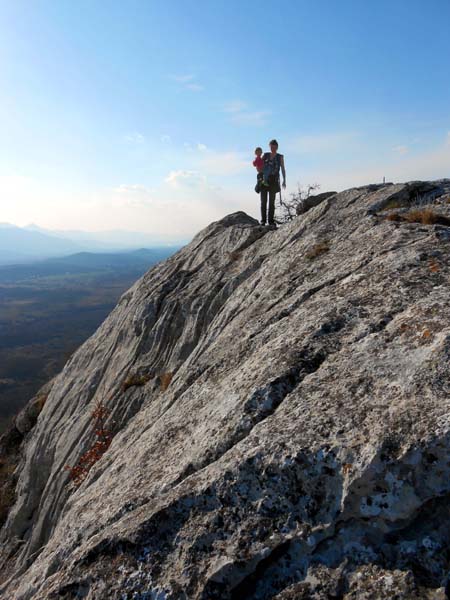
pixel 135 381
pixel 40 402
pixel 165 380
pixel 434 266
pixel 101 443
pixel 425 216
pixel 317 250
pixel 346 468
pixel 394 217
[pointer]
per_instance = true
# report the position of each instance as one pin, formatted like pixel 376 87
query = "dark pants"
pixel 259 179
pixel 270 191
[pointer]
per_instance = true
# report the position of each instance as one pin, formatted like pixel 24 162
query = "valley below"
pixel 49 308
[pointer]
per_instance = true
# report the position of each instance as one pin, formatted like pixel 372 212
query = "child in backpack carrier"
pixel 259 164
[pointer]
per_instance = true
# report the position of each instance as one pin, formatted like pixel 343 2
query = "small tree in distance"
pixel 287 209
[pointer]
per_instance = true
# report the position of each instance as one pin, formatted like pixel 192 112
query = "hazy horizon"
pixel 143 118
pixel 96 233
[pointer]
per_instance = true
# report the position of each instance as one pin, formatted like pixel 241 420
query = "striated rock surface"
pixel 281 408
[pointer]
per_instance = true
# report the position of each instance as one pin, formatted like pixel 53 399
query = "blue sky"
pixel 144 115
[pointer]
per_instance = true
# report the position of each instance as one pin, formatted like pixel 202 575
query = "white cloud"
pixel 134 188
pixel 182 78
pixel 234 106
pixel 198 146
pixel 166 139
pixel 200 162
pixel 185 178
pixel 257 118
pixel 134 138
pixel 132 195
pixel 194 87
pixel 400 149
pixel 240 114
pixel 188 82
pixel 136 202
pixel 202 159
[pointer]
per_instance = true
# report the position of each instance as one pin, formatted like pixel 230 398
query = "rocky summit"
pixel 264 415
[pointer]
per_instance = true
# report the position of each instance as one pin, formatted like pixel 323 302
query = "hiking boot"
pixel 263 223
pixel 272 226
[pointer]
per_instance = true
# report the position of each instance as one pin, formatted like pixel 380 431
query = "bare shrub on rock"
pixel 288 209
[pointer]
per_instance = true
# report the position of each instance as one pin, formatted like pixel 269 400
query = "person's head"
pixel 273 145
pixel 258 151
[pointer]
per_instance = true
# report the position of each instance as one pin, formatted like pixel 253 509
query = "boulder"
pixel 312 201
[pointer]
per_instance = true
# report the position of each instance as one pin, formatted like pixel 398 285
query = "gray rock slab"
pixel 287 430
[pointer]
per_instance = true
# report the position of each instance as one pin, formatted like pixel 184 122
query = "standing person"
pixel 273 162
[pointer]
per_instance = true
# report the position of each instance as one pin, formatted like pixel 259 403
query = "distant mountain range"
pixel 18 244
pixel 136 261
pixel 25 244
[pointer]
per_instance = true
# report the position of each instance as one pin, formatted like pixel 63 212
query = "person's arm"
pixel 283 171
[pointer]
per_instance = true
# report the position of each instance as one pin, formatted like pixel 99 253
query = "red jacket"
pixel 258 163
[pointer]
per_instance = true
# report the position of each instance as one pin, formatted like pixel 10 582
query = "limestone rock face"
pixel 280 407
